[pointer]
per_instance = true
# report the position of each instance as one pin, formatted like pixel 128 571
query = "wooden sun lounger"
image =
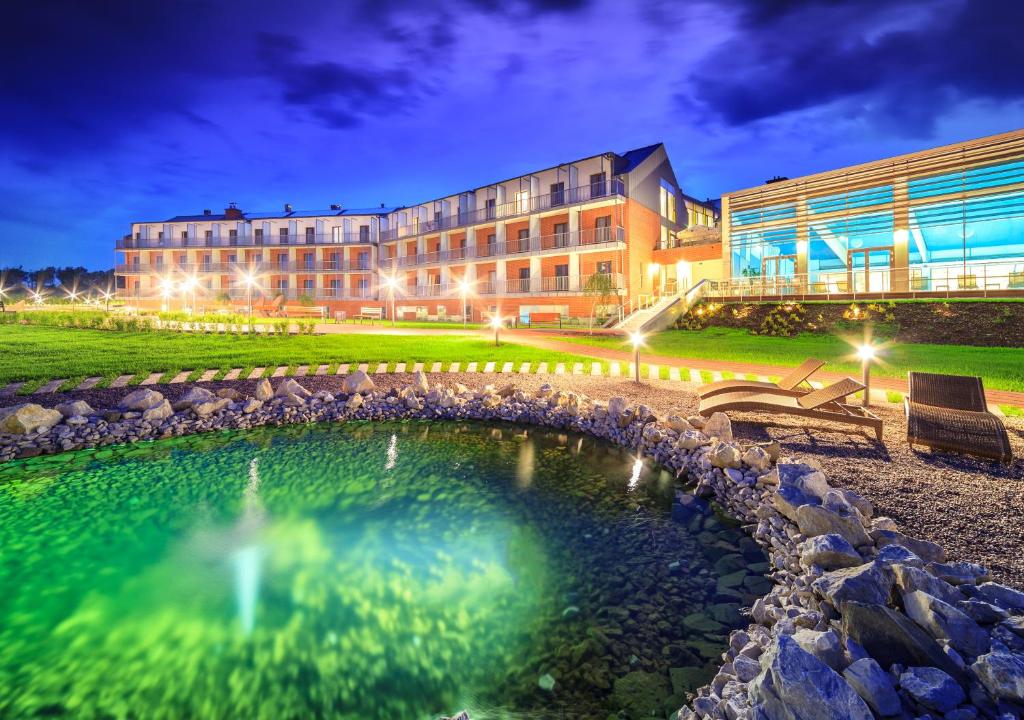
pixel 787 385
pixel 949 412
pixel 821 404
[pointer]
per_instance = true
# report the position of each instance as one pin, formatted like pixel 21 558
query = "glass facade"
pixel 956 230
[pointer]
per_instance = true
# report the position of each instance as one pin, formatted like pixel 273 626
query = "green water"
pixel 393 570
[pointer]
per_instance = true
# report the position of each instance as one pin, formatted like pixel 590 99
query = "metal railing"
pixel 934 280
pixel 271 240
pixel 591 192
pixel 589 238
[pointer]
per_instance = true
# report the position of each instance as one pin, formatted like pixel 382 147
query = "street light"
pixel 637 339
pixel 188 287
pixel 866 352
pixel 106 297
pixel 464 291
pixel 250 282
pixel 391 284
pixel 166 290
pixel 496 323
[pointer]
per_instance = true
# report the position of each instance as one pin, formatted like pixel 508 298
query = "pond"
pixel 388 570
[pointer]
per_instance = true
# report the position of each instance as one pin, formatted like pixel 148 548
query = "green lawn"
pixel 37 353
pixel 1001 368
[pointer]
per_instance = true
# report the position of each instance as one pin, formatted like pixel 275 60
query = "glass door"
pixel 868 270
pixel 777 273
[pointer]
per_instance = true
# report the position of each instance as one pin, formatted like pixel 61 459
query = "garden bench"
pixel 317 311
pixel 370 313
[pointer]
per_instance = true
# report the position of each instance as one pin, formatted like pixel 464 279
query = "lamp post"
pixel 464 290
pixel 391 284
pixel 250 282
pixel 637 339
pixel 106 298
pixel 866 353
pixel 496 323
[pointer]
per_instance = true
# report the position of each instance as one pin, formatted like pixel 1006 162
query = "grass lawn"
pixel 37 353
pixel 1001 368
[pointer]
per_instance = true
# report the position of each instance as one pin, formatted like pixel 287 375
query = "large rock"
pixel 932 688
pixel 795 685
pixel 1002 674
pixel 141 400
pixel 790 498
pixel 959 573
pixel 817 520
pixel 945 622
pixel 892 637
pixel 824 645
pixel 724 455
pixel 927 551
pixel 809 479
pixel 28 418
pixel 830 552
pixel 691 439
pixel 264 390
pixel 205 409
pixel 719 426
pixel 288 387
pixel 910 579
pixel 194 396
pixel 358 382
pixel 873 684
pixel 869 583
pixel 160 411
pixel 75 408
pixel 419 382
pixel 757 459
pixel 679 424
pixel 1002 596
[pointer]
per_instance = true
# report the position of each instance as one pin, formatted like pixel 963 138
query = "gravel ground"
pixel 973 508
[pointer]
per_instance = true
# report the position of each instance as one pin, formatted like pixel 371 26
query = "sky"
pixel 116 111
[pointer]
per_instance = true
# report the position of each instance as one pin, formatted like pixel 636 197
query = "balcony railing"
pixel 590 238
pixel 234 267
pixel 590 192
pixel 993 279
pixel 245 241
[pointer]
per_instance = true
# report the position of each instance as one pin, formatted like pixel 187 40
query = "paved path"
pixel 695 365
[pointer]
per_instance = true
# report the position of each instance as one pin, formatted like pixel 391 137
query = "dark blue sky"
pixel 119 110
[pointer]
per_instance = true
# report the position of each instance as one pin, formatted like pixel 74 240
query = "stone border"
pixel 862 621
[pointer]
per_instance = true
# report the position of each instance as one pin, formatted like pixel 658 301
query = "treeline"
pixel 17 280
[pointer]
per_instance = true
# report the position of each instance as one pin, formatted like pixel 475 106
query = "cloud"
pixel 901 64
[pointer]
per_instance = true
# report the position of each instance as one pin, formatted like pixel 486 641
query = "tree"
pixel 600 287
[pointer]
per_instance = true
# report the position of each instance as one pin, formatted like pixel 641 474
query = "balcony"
pixel 556 284
pixel 326 266
pixel 244 241
pixel 593 238
pixel 591 192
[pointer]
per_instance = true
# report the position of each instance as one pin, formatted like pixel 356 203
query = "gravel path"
pixel 973 508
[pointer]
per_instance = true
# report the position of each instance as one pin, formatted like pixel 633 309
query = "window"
pixel 307 284
pixel 363 260
pixel 557 194
pixel 332 262
pixel 282 261
pixel 232 237
pixel 335 285
pixel 604 267
pixel 561 234
pixel 489 208
pixel 603 229
pixel 282 236
pixel 307 259
pixel 310 235
pixel 184 234
pixel 160 235
pixel 437 218
pixel 522 243
pixel 364 233
pixel 562 277
pixel 597 185
pixel 207 262
pixel 208 235
pixel 258 236
pixel 668 202
pixel 492 240
pixel 524 273
pixel 158 261
pixel 232 258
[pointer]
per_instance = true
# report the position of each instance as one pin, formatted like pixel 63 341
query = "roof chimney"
pixel 335 206
pixel 231 212
pixel 207 212
pixel 287 207
pixel 382 206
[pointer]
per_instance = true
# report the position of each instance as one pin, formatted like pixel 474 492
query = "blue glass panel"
pixel 762 214
pixel 977 178
pixel 851 200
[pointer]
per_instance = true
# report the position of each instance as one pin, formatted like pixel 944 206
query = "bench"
pixel 317 311
pixel 545 317
pixel 369 313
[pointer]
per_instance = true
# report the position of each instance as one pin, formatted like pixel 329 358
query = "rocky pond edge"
pixel 862 621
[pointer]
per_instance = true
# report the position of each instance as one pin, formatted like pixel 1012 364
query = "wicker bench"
pixel 949 412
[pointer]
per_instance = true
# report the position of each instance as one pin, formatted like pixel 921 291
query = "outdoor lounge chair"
pixel 821 404
pixel 787 385
pixel 949 412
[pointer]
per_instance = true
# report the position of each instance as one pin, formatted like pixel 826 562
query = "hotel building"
pixel 552 243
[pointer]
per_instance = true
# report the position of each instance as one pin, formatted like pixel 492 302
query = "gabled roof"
pixel 630 159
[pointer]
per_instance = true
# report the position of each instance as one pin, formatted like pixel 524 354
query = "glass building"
pixel 944 221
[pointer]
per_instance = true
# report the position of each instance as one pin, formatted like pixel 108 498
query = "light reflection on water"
pixel 282 572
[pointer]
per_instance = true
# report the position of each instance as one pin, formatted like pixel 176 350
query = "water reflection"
pixel 248 558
